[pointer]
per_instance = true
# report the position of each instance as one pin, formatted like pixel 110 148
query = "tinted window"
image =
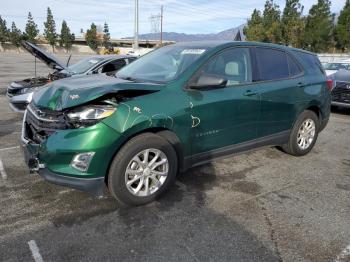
pixel 294 68
pixel 272 64
pixel 313 64
pixel 233 65
pixel 119 64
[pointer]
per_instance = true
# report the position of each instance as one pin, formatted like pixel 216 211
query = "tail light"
pixel 330 84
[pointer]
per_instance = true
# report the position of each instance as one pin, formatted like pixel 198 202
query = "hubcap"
pixel 306 134
pixel 146 172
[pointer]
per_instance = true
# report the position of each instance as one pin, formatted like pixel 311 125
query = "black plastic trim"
pixel 205 157
pixel 341 104
pixel 324 122
pixel 94 186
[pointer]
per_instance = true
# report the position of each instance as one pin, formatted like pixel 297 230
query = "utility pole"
pixel 161 25
pixel 136 32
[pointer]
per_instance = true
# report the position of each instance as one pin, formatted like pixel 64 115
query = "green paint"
pixel 203 120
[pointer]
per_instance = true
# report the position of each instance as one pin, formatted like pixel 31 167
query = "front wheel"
pixel 142 170
pixel 303 135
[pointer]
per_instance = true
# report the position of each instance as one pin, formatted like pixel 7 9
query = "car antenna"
pixel 69 59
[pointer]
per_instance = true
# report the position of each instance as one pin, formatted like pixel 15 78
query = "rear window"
pixel 312 62
pixel 272 64
pixel 294 68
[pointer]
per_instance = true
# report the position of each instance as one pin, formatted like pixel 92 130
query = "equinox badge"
pixel 73 97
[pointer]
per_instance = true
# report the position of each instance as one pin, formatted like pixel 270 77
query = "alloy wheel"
pixel 306 134
pixel 146 172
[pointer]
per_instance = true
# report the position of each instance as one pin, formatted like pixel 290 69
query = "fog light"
pixel 82 161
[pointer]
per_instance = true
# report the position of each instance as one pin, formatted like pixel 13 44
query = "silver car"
pixel 20 92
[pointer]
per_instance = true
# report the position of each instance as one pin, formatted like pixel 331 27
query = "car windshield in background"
pixel 162 65
pixel 84 65
pixel 337 66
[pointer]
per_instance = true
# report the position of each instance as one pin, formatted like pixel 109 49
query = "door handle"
pixel 251 93
pixel 301 84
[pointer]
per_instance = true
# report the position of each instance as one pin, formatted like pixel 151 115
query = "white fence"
pixel 326 58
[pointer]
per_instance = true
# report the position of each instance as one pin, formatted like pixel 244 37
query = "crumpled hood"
pixel 74 91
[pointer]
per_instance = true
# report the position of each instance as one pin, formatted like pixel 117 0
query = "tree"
pixel 318 27
pixel 106 36
pixel 15 35
pixel 31 30
pixel 4 31
pixel 66 37
pixel 50 29
pixel 292 24
pixel 254 29
pixel 91 37
pixel 271 22
pixel 342 29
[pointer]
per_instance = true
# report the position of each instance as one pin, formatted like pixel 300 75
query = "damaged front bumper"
pixel 94 186
pixel 52 158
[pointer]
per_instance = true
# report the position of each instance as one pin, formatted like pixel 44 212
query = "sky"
pixel 190 16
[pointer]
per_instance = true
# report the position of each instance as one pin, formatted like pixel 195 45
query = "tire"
pixel 132 157
pixel 292 147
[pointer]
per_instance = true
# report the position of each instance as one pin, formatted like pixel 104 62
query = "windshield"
pixel 337 66
pixel 163 64
pixel 84 65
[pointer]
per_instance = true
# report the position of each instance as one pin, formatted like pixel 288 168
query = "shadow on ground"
pixel 178 227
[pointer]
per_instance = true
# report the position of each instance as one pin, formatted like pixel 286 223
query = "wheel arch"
pixel 316 110
pixel 165 133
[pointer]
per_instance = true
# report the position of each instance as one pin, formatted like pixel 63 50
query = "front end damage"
pixel 70 151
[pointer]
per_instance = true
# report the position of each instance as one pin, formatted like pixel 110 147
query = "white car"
pixel 333 67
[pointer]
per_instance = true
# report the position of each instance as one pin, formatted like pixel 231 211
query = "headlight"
pixel 89 115
pixel 26 90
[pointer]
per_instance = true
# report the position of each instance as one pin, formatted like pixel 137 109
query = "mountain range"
pixel 229 34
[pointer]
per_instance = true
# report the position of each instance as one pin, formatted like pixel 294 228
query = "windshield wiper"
pixel 129 78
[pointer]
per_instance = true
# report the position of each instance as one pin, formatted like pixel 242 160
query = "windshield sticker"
pixel 193 51
pixel 93 61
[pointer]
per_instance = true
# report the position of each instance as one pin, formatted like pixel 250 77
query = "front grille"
pixel 41 123
pixel 341 92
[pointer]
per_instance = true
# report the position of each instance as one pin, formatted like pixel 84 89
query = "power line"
pixel 157 24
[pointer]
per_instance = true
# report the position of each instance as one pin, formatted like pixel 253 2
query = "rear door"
pixel 280 80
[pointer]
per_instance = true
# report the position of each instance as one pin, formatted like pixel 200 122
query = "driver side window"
pixel 233 65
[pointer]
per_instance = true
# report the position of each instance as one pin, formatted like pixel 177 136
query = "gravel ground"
pixel 259 206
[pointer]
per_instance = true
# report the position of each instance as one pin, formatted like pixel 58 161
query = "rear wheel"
pixel 142 170
pixel 303 135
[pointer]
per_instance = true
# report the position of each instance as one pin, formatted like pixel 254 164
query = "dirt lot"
pixel 260 206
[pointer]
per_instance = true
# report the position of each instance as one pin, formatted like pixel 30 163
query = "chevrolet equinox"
pixel 177 107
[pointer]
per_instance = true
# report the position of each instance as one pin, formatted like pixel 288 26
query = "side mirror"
pixel 94 72
pixel 209 82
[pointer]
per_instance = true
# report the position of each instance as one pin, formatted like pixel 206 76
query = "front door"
pixel 225 116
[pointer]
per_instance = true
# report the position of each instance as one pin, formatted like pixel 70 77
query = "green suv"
pixel 177 107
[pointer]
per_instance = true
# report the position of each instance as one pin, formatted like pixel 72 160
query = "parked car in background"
pixel 333 67
pixel 177 107
pixel 341 90
pixel 21 92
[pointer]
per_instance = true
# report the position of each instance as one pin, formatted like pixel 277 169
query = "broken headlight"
pixel 89 115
